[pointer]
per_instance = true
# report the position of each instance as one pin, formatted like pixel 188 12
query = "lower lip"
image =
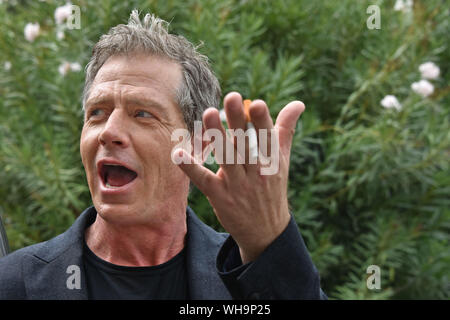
pixel 116 190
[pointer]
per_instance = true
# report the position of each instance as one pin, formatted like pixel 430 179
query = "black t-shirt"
pixel 105 280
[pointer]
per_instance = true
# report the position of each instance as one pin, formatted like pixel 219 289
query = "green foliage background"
pixel 368 185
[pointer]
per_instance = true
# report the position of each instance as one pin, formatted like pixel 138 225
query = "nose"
pixel 115 132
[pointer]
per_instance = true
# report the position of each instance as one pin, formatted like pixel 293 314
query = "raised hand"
pixel 251 206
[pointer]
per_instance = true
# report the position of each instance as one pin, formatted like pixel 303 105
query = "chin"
pixel 118 213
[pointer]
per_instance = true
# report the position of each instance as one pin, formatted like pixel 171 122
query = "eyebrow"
pixel 141 101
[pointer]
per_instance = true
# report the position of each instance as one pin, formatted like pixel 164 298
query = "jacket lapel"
pixel 55 270
pixel 203 244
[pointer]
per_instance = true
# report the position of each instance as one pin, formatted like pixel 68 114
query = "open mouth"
pixel 116 176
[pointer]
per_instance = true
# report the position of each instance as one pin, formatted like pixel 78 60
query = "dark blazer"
pixel 283 271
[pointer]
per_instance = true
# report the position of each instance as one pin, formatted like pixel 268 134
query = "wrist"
pixel 251 251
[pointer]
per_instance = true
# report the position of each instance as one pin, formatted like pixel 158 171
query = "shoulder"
pixel 10 263
pixel 27 263
pixel 11 275
pixel 200 229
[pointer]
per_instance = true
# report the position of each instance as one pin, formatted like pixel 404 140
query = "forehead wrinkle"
pixel 103 87
pixel 114 72
pixel 126 97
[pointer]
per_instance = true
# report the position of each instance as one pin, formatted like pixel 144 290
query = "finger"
pixel 286 123
pixel 205 180
pixel 261 119
pixel 237 124
pixel 224 151
pixel 234 110
pixel 260 116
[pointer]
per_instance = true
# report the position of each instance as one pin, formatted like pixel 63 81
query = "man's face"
pixel 125 142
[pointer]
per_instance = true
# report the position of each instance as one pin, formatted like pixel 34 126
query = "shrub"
pixel 368 184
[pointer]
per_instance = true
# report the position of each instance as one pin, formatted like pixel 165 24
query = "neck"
pixel 137 244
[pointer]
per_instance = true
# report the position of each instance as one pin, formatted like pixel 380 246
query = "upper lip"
pixel 110 161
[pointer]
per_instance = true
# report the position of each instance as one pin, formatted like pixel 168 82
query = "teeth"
pixel 110 186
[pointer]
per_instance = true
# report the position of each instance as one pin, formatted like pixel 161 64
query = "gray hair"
pixel 199 89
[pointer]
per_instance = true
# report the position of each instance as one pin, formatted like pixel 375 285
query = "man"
pixel 140 240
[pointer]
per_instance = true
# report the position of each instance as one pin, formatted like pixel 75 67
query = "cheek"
pixel 157 156
pixel 88 147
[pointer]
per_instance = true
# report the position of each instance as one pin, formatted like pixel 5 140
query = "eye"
pixel 143 114
pixel 96 113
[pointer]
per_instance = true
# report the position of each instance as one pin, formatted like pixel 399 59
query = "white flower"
pixel 65 67
pixel 31 31
pixel 222 115
pixel 423 87
pixel 390 102
pixel 60 35
pixel 62 13
pixel 399 5
pixel 429 70
pixel 75 66
pixel 7 65
pixel 403 5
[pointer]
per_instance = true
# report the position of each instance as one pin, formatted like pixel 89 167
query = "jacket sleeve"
pixel 283 271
